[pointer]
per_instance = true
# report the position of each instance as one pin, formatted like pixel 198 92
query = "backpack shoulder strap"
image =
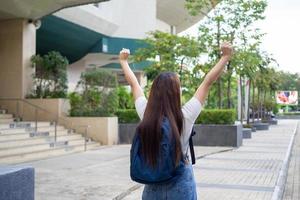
pixel 192 146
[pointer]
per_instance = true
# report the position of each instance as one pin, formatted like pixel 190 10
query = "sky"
pixel 282 28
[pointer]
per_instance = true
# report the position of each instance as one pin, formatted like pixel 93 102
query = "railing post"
pixel 36 112
pixel 86 137
pixel 18 112
pixel 55 130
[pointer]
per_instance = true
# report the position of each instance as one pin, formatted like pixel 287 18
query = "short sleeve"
pixel 140 106
pixel 191 110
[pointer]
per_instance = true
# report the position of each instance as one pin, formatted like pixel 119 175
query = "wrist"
pixel 123 61
pixel 226 57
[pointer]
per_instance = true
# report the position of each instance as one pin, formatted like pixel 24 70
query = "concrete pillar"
pixel 17 45
pixel 173 30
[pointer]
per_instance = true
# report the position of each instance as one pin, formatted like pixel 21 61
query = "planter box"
pixel 126 133
pixel 247 133
pixel 261 126
pixel 57 107
pixel 102 129
pixel 288 117
pixel 207 135
pixel 272 121
pixel 218 135
pixel 54 108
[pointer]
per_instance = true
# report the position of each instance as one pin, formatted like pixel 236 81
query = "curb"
pixel 282 178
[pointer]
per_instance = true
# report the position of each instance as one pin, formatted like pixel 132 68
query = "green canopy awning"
pixel 75 41
pixel 138 66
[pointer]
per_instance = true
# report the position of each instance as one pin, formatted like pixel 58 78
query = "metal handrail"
pixel 85 134
pixel 49 112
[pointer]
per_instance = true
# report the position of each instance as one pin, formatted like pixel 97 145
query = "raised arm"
pixel 214 73
pixel 136 89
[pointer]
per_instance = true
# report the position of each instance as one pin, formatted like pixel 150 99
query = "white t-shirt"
pixel 190 110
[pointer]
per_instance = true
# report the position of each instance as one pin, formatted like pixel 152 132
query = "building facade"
pixel 89 35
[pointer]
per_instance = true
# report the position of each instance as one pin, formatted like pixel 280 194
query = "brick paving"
pixel 292 189
pixel 247 173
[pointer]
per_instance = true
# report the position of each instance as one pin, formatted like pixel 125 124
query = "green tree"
pixel 230 20
pixel 168 53
pixel 96 94
pixel 50 78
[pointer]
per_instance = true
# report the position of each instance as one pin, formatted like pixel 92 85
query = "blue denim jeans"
pixel 184 188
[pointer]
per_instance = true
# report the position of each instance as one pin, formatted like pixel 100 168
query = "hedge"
pixel 289 113
pixel 224 116
pixel 127 116
pixel 216 116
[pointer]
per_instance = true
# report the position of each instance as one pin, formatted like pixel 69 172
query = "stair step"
pixel 26 130
pixel 44 154
pixel 5 121
pixel 6 116
pixel 38 147
pixel 23 124
pixel 37 140
pixel 16 136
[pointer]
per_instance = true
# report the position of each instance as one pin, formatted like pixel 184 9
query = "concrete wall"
pixel 126 133
pixel 56 107
pixel 73 72
pixel 17 45
pixel 163 26
pixel 206 135
pixel 218 135
pixel 102 129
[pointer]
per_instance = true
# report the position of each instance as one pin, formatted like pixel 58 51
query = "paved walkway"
pixel 249 172
pixel 292 189
pixel 94 175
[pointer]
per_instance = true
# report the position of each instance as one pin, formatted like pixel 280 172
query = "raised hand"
pixel 226 49
pixel 124 54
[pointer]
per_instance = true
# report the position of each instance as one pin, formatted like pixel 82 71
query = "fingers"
pixel 226 45
pixel 125 51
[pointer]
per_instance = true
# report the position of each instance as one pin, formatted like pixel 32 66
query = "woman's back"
pixel 184 187
pixel 190 110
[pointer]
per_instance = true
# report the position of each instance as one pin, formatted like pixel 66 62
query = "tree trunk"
pixel 265 94
pixel 219 94
pixel 229 87
pixel 253 102
pixel 241 86
pixel 229 93
pixel 219 56
pixel 258 103
pixel 248 109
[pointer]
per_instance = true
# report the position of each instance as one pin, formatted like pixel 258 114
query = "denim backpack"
pixel 165 170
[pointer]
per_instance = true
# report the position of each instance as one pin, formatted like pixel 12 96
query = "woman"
pixel 165 101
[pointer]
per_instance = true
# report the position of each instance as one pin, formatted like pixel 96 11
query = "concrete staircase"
pixel 20 142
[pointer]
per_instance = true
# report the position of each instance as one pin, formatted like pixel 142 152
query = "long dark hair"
pixel 164 101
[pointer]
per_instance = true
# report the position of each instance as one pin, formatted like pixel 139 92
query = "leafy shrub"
pixel 50 78
pixel 247 126
pixel 128 116
pixel 216 116
pixel 125 98
pixel 290 113
pixel 97 96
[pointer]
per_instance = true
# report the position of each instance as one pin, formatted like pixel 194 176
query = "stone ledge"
pixel 17 183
